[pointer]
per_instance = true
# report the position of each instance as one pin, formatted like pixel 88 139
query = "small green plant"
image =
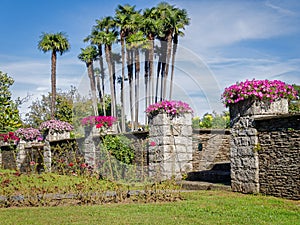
pixel 119 147
pixel 257 147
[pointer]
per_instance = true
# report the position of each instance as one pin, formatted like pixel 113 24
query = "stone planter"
pixel 91 131
pixel 170 150
pixel 250 107
pixel 55 136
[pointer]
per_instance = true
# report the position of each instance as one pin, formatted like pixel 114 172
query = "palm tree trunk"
pixel 168 56
pixel 109 65
pixel 122 85
pixel 102 79
pixel 93 87
pixel 157 80
pixel 129 69
pixel 137 72
pixel 175 43
pixel 53 83
pixel 151 70
pixel 146 80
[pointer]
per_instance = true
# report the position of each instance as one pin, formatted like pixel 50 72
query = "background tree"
pixel 9 114
pixel 40 108
pixel 56 42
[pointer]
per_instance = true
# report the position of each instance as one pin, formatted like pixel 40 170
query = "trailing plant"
pixel 258 90
pixel 172 108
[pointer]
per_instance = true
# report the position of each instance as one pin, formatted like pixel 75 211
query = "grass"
pixel 199 207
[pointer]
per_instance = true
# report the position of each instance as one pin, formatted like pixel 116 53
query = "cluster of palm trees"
pixel 142 34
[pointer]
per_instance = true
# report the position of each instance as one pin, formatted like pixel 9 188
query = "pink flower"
pixel 32 163
pixel 152 143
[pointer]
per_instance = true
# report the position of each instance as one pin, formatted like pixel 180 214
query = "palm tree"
pixel 180 20
pixel 122 18
pixel 109 34
pixel 136 41
pixel 150 26
pixel 57 42
pixel 96 38
pixel 88 55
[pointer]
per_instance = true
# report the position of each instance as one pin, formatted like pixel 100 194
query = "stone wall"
pixel 279 156
pixel 265 147
pixel 210 146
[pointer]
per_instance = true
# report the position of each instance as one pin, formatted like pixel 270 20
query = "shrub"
pixel 120 147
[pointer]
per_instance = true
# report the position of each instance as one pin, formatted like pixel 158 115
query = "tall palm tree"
pixel 88 55
pixel 150 26
pixel 108 32
pixel 123 15
pixel 136 41
pixel 96 38
pixel 180 20
pixel 54 42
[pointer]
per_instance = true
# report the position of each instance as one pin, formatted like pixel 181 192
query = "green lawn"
pixel 202 207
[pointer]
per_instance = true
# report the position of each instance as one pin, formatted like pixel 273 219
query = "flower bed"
pixel 9 138
pixel 55 126
pixel 263 90
pixel 172 108
pixel 98 121
pixel 29 134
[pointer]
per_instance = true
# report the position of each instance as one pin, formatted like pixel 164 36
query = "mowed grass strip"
pixel 199 207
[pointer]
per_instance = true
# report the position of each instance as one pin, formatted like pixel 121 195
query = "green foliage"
pixel 69 106
pixel 294 106
pixel 9 114
pixel 120 147
pixel 214 120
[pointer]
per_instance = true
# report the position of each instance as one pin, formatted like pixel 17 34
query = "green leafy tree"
pixel 40 109
pixel 56 42
pixel 212 120
pixel 9 114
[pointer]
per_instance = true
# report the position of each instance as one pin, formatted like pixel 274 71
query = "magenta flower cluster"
pixel 29 134
pixel 269 90
pixel 9 137
pixel 172 108
pixel 55 126
pixel 99 121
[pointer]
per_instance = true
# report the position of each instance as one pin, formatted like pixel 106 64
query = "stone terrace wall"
pixel 279 156
pixel 210 146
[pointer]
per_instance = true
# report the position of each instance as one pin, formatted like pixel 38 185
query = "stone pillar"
pixel 89 149
pixel 170 148
pixel 21 153
pixel 47 156
pixel 244 141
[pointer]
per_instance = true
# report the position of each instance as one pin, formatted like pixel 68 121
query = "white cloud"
pixel 226 22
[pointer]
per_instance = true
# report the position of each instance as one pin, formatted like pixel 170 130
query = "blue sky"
pixel 227 41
